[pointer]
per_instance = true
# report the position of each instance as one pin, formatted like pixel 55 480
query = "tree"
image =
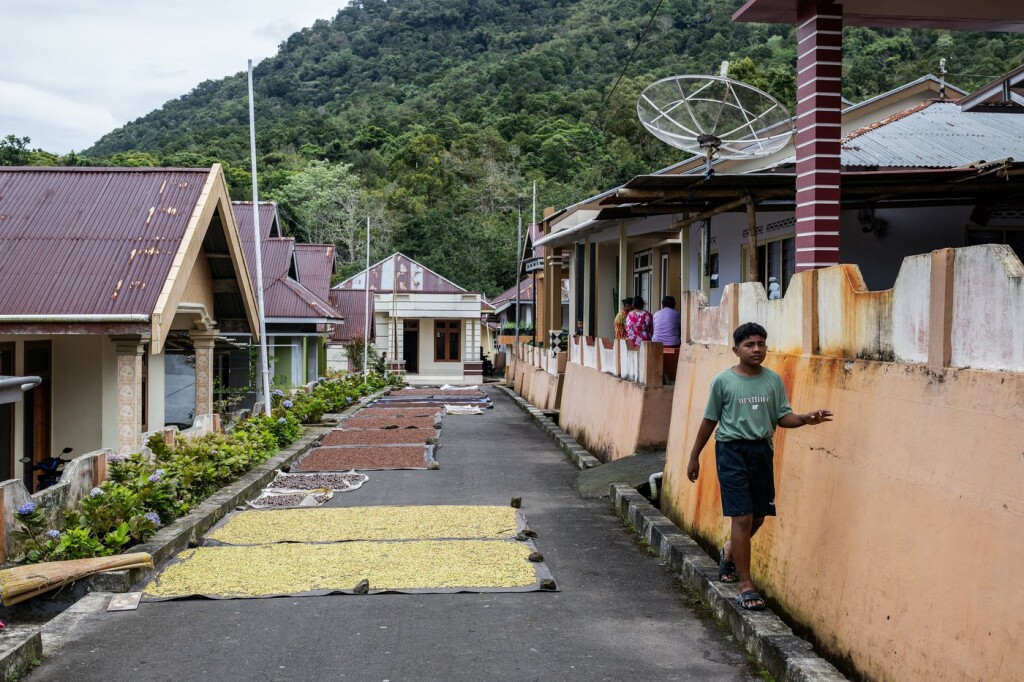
pixel 14 151
pixel 326 206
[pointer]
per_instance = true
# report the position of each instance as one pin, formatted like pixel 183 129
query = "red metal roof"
pixel 283 295
pixel 315 263
pixel 525 293
pixel 78 241
pixel 410 276
pixel 351 303
pixel 991 15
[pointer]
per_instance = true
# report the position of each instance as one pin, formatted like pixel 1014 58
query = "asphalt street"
pixel 619 615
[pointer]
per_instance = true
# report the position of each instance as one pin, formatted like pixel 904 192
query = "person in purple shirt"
pixel 667 323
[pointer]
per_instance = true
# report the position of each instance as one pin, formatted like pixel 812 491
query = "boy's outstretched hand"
pixel 817 417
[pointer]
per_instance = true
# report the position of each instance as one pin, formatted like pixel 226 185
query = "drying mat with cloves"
pixel 391 423
pixel 400 412
pixel 359 550
pixel 378 437
pixel 347 524
pixel 365 458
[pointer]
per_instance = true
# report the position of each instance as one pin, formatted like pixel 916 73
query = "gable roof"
pixel 315 263
pixel 113 242
pixel 401 272
pixel 284 296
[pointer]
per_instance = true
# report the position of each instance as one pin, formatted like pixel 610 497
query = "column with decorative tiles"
pixel 203 342
pixel 129 350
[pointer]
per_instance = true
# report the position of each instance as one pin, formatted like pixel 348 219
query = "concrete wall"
pixel 897 522
pixel 892 517
pixel 612 417
pixel 77 377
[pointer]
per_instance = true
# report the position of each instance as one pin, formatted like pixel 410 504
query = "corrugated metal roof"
pixel 351 303
pixel 315 263
pixel 525 293
pixel 283 296
pixel 935 135
pixel 410 276
pixel 91 240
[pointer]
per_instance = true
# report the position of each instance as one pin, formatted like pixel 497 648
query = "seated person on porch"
pixel 620 319
pixel 667 323
pixel 639 323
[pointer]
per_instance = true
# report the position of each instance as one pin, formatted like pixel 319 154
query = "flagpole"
pixel 264 368
pixel 366 313
pixel 519 265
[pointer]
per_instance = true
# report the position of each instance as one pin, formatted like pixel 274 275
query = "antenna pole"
pixel 264 367
pixel 366 308
pixel 519 264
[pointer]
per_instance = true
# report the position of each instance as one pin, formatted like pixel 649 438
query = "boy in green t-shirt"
pixel 746 403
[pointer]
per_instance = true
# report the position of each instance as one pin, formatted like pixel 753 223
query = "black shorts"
pixel 746 477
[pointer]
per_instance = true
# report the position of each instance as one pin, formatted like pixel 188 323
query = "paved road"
pixel 619 614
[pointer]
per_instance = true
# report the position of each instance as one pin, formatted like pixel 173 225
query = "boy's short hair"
pixel 746 330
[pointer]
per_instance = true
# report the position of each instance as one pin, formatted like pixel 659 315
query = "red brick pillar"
pixel 819 67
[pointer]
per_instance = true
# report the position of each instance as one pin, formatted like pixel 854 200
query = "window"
pixel 1011 236
pixel 713 269
pixel 642 267
pixel 775 258
pixel 664 275
pixel 446 340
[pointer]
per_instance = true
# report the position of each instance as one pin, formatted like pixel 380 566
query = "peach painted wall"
pixel 612 417
pixel 899 529
pixel 539 387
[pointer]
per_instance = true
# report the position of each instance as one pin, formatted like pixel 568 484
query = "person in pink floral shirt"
pixel 639 323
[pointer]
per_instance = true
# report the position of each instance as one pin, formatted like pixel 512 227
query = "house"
pixel 356 307
pixel 106 274
pixel 299 318
pixel 919 341
pixel 423 323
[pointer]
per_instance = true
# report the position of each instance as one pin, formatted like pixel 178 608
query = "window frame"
pixel 447 329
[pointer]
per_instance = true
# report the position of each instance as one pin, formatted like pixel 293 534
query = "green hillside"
pixel 432 115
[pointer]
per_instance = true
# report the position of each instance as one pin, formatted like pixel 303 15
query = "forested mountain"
pixel 431 116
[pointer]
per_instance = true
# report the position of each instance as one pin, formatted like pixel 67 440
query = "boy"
pixel 746 403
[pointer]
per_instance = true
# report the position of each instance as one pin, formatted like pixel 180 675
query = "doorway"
pixel 7 417
pixel 411 345
pixel 37 407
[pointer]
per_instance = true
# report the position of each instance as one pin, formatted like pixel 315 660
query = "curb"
pixel 577 453
pixel 18 648
pixel 771 642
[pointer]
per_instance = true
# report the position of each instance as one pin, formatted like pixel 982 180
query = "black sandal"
pixel 726 569
pixel 751 601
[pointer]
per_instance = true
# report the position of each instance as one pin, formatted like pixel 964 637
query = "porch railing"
pixel 643 364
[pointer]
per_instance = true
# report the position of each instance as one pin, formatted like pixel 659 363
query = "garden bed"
pixel 378 437
pixel 380 457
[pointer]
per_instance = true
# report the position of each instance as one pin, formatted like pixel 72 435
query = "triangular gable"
pixel 410 276
pixel 213 201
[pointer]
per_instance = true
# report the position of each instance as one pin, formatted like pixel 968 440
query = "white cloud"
pixel 103 64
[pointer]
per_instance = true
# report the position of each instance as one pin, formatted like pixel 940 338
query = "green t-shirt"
pixel 746 408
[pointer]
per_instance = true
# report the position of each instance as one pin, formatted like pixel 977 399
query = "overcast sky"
pixel 73 70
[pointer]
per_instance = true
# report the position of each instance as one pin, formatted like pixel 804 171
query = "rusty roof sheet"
pixel 77 241
pixel 315 263
pixel 935 134
pixel 409 276
pixel 509 295
pixel 283 296
pixel 351 303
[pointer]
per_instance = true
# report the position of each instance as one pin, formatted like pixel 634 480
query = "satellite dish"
pixel 714 116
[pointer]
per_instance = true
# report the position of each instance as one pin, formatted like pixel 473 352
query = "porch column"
pixel 203 342
pixel 819 66
pixel 553 301
pixel 129 351
pixel 623 266
pixel 588 291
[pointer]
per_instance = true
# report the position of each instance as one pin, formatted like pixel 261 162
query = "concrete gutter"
pixel 771 642
pixel 19 646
